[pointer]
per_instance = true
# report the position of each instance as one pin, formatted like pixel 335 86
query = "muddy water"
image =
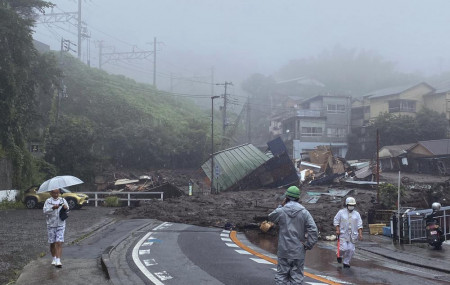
pixel 322 261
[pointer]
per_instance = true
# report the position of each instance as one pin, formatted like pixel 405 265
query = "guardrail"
pixel 416 230
pixel 98 196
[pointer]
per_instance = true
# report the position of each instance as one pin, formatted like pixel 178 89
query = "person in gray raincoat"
pixel 349 227
pixel 297 233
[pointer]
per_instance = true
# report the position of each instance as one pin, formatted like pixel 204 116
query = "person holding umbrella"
pixel 55 226
pixel 53 207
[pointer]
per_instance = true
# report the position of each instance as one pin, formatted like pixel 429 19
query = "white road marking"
pixel 141 266
pixel 315 283
pixel 226 231
pixel 147 243
pixel 242 251
pixel 150 262
pixel 231 244
pixel 274 269
pixel 163 275
pixel 144 251
pixel 260 260
pixel 334 279
pixel 226 239
pixel 224 235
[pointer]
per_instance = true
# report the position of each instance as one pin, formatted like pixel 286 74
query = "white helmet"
pixel 436 206
pixel 350 201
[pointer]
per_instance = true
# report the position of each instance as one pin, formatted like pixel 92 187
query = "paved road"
pixel 184 254
pixel 151 252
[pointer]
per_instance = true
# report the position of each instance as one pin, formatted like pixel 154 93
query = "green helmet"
pixel 293 192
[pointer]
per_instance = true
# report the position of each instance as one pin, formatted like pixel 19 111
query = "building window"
pixel 311 132
pixel 396 106
pixel 336 132
pixel 336 108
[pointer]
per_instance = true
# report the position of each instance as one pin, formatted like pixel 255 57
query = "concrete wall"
pixel 6 173
pixel 8 195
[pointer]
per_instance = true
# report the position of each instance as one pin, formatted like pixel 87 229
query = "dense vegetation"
pixel 87 120
pixel 403 129
pixel 111 121
pixel 25 76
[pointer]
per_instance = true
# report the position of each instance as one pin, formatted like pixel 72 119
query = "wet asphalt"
pixel 86 267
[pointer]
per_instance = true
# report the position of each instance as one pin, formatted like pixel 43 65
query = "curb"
pixel 108 267
pixel 444 269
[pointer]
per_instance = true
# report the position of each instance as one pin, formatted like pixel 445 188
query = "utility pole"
pixel 248 121
pixel 378 166
pixel 65 46
pixel 73 18
pixel 100 52
pixel 79 29
pixel 154 62
pixel 212 142
pixel 212 81
pixel 224 117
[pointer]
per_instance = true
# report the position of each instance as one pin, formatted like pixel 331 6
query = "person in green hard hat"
pixel 297 233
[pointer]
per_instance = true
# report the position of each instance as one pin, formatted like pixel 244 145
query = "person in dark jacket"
pixel 297 233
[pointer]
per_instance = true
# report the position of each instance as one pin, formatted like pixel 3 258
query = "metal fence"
pixel 125 196
pixel 414 229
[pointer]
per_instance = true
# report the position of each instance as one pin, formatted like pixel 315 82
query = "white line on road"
pixel 150 262
pixel 260 260
pixel 163 275
pixel 137 260
pixel 226 239
pixel 144 251
pixel 231 244
pixel 241 251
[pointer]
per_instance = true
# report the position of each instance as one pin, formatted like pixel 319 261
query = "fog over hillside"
pixel 200 41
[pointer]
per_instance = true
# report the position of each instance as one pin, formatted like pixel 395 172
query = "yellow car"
pixel 33 199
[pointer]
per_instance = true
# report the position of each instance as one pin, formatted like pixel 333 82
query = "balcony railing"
pixel 309 113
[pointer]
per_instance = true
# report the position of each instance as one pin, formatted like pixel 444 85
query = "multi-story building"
pixel 321 120
pixel 400 100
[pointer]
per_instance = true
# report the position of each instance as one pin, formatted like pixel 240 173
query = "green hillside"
pixel 112 121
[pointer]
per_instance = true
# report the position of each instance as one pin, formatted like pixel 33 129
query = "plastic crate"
pixel 387 231
pixel 376 229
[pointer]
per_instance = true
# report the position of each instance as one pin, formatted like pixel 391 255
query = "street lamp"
pixel 212 141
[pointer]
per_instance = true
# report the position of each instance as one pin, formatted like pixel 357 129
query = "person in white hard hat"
pixel 349 227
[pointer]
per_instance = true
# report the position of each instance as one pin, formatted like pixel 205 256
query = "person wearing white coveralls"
pixel 349 227
pixel 297 233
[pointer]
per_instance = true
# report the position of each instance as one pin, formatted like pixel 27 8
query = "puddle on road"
pixel 323 260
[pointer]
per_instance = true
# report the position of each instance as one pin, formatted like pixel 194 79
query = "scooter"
pixel 434 232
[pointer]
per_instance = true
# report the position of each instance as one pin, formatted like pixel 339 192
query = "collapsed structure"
pixel 246 166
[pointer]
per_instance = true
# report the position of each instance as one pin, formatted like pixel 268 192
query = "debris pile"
pixel 321 167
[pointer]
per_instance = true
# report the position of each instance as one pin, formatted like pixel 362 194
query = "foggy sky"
pixel 242 37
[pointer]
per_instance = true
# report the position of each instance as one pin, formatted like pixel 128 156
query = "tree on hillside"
pixel 347 71
pixel 260 88
pixel 19 81
pixel 403 129
pixel 431 125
